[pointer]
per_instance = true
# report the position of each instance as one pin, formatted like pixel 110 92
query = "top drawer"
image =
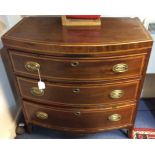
pixel 78 69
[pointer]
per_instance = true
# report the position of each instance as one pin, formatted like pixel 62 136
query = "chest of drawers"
pixel 93 75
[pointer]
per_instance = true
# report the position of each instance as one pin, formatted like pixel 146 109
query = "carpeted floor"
pixel 145 119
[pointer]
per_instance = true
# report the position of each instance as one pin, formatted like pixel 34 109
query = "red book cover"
pixel 83 16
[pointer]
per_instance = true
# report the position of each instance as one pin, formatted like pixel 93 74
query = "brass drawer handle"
pixel 76 90
pixel 78 113
pixel 74 64
pixel 116 94
pixel 120 68
pixel 32 66
pixel 41 115
pixel 36 91
pixel 115 117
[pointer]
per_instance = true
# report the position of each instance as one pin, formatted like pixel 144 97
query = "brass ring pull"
pixel 32 66
pixel 74 64
pixel 115 117
pixel 120 68
pixel 78 113
pixel 116 94
pixel 41 115
pixel 36 91
pixel 76 90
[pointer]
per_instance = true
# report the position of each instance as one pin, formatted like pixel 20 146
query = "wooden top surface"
pixel 49 31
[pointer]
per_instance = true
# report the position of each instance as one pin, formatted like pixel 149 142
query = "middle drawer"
pixel 77 94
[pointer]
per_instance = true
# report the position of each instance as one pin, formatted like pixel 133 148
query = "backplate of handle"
pixel 36 91
pixel 115 117
pixel 41 115
pixel 32 66
pixel 120 68
pixel 116 94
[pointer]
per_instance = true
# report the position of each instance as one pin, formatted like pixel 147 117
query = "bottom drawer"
pixel 78 120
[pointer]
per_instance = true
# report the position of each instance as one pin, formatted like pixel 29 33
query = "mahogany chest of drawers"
pixel 93 75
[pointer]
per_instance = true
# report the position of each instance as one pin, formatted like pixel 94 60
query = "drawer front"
pixel 79 94
pixel 76 119
pixel 78 69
